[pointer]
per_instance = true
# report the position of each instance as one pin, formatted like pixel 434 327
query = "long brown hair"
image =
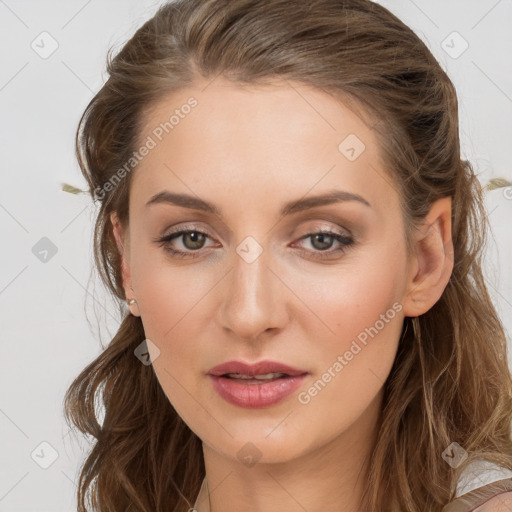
pixel 450 381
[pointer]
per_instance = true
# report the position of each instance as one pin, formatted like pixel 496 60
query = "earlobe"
pixel 432 261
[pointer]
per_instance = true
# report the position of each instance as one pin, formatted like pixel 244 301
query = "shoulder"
pixel 500 503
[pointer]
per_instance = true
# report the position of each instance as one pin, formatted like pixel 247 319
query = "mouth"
pixel 255 386
pixel 261 371
pixel 255 379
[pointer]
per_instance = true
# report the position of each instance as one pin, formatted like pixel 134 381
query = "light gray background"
pixel 46 338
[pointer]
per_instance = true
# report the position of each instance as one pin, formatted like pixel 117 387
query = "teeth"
pixel 267 376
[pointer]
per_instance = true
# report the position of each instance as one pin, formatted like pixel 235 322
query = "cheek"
pixel 351 366
pixel 167 294
pixel 172 301
pixel 360 308
pixel 351 298
pixel 366 302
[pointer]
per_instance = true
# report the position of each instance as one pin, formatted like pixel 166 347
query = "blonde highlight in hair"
pixel 450 381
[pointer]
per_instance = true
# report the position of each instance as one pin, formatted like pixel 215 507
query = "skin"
pixel 500 503
pixel 249 150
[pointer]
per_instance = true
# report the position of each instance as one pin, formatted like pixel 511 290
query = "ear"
pixel 122 243
pixel 431 263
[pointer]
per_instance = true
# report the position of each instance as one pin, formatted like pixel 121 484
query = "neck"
pixel 331 477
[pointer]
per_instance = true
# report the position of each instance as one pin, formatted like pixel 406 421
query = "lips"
pixel 258 385
pixel 241 369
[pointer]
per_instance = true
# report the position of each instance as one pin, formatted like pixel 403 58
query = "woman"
pixel 284 208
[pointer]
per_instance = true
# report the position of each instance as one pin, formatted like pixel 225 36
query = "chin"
pixel 261 442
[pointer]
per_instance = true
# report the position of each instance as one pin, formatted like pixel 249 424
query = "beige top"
pixel 472 500
pixel 467 502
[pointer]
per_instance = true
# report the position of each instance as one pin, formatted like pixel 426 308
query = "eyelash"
pixel 164 242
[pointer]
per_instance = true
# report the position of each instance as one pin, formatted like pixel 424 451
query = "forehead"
pixel 258 142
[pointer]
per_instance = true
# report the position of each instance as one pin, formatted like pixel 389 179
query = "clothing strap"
pixel 477 497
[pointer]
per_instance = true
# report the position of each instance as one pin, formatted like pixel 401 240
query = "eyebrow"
pixel 295 206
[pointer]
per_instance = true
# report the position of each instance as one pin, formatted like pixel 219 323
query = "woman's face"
pixel 255 280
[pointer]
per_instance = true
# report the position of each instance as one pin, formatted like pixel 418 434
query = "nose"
pixel 255 300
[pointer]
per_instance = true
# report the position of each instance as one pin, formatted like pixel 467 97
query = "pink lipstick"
pixel 255 385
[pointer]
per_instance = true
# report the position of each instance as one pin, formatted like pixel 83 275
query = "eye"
pixel 192 240
pixel 323 240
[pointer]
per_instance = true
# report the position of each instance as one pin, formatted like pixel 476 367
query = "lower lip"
pixel 254 396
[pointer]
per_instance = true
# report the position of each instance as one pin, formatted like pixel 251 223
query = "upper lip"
pixel 259 368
